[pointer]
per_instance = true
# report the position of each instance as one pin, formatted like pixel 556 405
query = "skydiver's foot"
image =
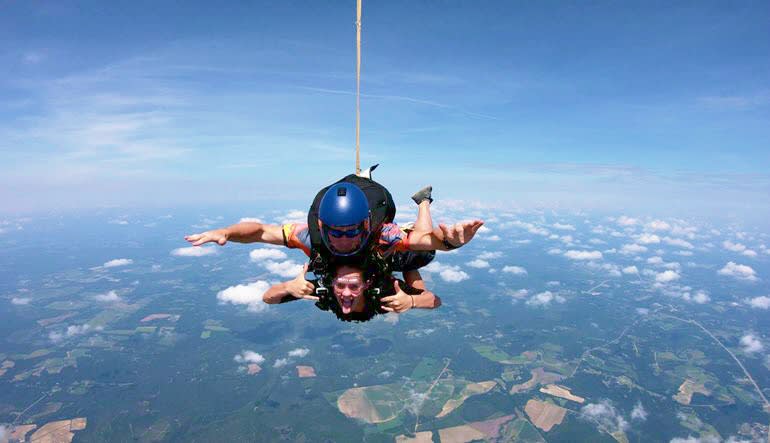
pixel 423 194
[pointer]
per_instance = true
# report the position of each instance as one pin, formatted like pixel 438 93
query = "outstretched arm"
pixel 454 236
pixel 244 232
pixel 291 290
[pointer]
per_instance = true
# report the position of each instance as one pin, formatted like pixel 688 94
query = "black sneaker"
pixel 423 194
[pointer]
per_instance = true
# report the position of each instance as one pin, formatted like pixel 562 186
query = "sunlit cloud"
pixel 249 295
pixel 118 262
pixel 583 255
pixel 194 251
pixel 761 302
pixel 738 271
pixel 515 270
pixel 751 344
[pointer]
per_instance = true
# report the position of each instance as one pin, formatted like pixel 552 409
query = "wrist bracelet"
pixel 449 246
pixel 412 301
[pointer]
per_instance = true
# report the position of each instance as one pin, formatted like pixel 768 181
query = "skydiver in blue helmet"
pixel 351 223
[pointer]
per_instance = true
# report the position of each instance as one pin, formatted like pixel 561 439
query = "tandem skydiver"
pixel 350 224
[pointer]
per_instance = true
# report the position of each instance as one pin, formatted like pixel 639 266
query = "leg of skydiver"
pixel 424 223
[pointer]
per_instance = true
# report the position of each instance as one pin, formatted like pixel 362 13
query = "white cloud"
pixel 266 254
pixel 684 231
pixel 677 242
pixel 554 251
pixel 642 311
pixel 735 247
pixel 751 344
pixel 21 301
pixel 700 297
pixel 249 295
pixel 294 216
pixel 545 299
pixel 684 253
pixel 490 255
pixel 453 275
pixel 531 228
pixel 491 238
pixel 55 336
pixel 605 416
pixel 448 273
pixel 639 413
pixel 655 260
pixel 704 439
pixel 109 297
pixel 478 263
pixel 667 276
pixel 563 227
pixel 630 270
pixel 194 251
pixel 647 239
pixel 613 270
pixel 249 220
pixel 281 362
pixel 287 268
pixel 118 262
pixel 626 221
pixel 749 253
pixel 658 225
pixel 515 270
pixel 632 249
pixel 672 265
pixel 299 352
pixel 741 272
pixel 246 357
pixel 761 302
pixel 520 293
pixel 391 318
pixel 72 331
pixel 583 255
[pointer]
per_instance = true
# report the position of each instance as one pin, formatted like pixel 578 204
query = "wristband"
pixel 412 302
pixel 449 246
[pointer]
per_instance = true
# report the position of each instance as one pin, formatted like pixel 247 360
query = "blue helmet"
pixel 344 205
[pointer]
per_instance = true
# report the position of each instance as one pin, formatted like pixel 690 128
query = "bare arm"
pixel 426 299
pixel 402 302
pixel 244 232
pixel 291 290
pixel 456 235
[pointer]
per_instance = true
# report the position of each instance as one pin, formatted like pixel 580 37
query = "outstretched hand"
pixel 461 233
pixel 398 303
pixel 209 236
pixel 301 288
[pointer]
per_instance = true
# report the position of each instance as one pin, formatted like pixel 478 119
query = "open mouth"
pixel 346 303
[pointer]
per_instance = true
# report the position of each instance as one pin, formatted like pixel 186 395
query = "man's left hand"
pixel 460 234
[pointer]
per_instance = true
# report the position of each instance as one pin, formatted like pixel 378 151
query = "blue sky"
pixel 636 107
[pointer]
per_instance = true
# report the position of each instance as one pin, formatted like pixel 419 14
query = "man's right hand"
pixel 219 236
pixel 301 288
